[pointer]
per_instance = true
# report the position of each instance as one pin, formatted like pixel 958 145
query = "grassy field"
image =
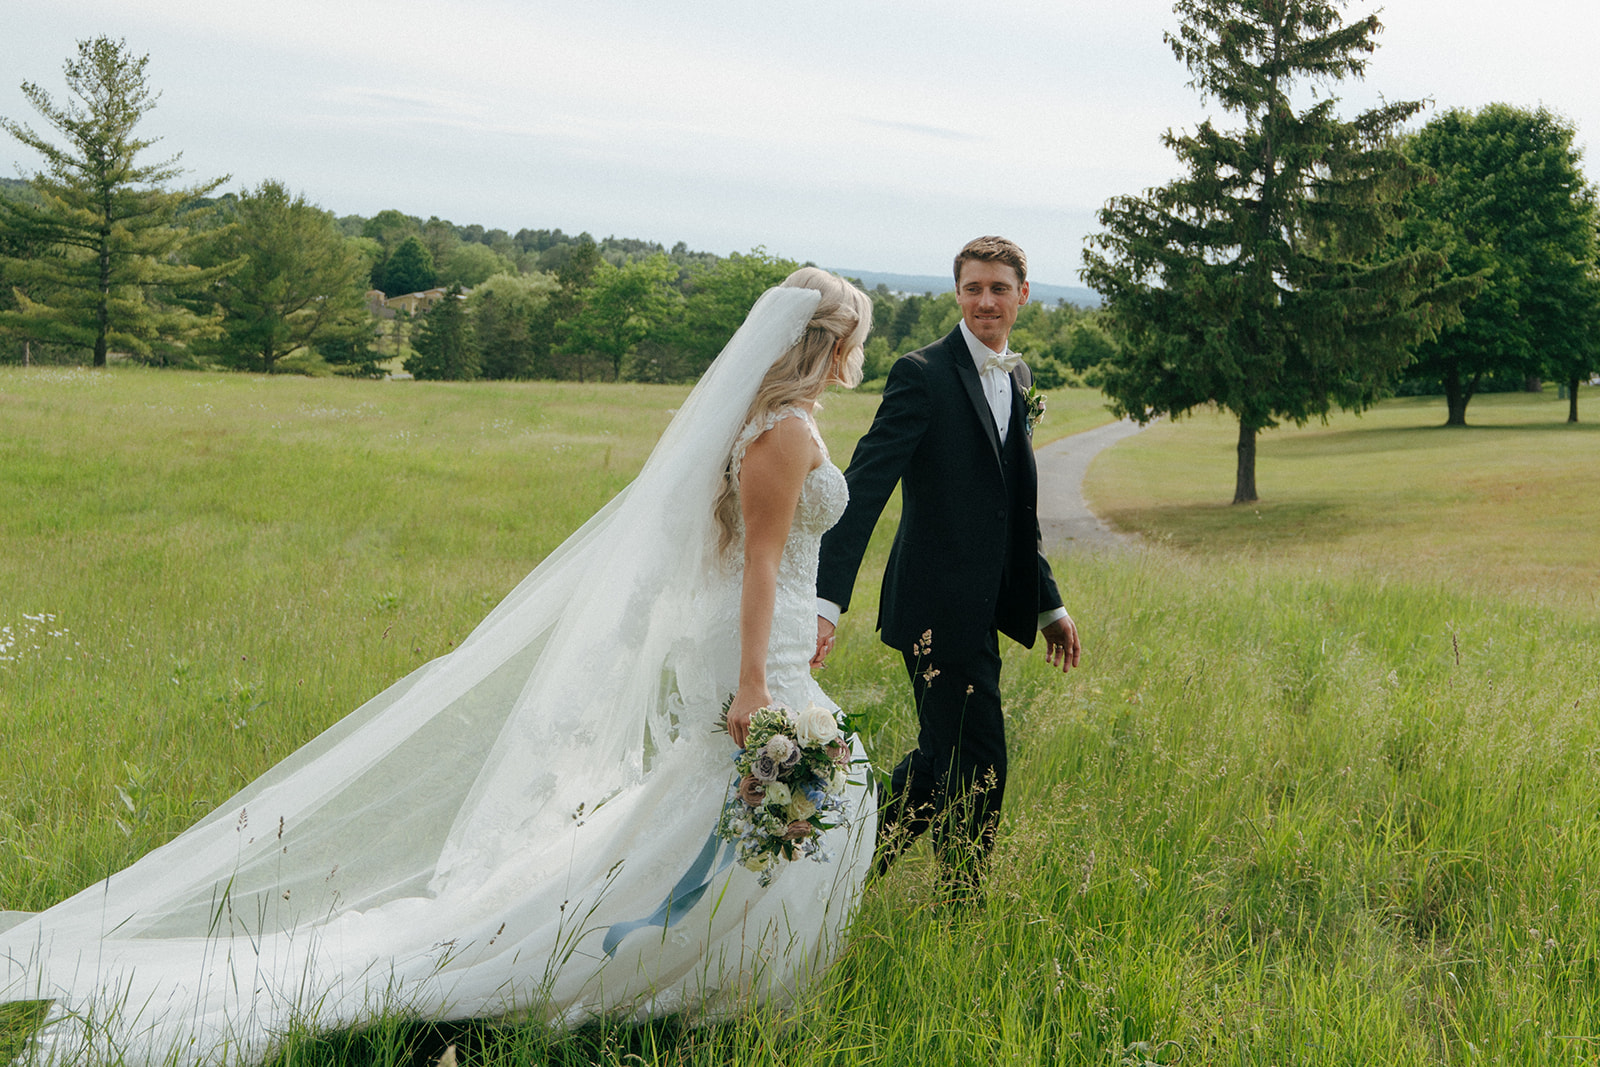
pixel 1310 800
pixel 1508 504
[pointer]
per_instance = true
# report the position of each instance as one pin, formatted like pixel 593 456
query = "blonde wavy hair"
pixel 811 364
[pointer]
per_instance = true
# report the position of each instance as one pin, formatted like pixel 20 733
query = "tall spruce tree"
pixel 1257 282
pixel 107 268
pixel 443 343
pixel 409 268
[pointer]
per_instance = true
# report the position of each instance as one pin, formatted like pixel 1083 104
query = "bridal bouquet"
pixel 790 787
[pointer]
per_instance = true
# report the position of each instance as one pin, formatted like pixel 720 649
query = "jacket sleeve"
pixel 1049 595
pixel 879 460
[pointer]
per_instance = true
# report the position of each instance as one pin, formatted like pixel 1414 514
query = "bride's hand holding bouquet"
pixel 789 786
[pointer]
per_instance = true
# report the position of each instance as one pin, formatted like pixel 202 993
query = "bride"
pixel 527 825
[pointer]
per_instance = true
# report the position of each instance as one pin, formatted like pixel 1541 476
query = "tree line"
pixel 1306 261
pixel 99 255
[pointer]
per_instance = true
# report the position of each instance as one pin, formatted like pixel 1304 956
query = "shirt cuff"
pixel 1048 617
pixel 827 609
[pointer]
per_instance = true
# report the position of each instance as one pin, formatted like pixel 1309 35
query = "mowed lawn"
pixel 1510 503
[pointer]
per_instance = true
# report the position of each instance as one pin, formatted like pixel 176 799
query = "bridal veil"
pixel 448 847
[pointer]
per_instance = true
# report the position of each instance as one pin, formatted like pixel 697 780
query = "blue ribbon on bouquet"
pixel 681 897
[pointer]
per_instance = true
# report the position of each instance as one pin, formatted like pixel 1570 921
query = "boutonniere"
pixel 1035 401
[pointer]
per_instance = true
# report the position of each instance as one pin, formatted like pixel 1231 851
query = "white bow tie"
pixel 1004 362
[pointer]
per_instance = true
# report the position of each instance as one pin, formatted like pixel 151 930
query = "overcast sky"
pixel 873 134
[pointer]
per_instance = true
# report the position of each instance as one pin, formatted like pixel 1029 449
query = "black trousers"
pixel 954 782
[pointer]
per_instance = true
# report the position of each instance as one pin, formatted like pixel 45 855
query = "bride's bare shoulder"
pixel 785 436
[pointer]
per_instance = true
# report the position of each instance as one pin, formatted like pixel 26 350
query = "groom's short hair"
pixel 994 250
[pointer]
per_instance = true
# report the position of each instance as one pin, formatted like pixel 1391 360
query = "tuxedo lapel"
pixel 955 347
pixel 1019 402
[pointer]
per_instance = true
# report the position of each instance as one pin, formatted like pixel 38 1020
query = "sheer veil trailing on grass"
pixel 460 844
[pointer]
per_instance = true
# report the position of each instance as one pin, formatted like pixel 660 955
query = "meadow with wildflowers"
pixel 1297 806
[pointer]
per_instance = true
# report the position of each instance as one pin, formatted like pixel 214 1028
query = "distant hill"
pixel 929 283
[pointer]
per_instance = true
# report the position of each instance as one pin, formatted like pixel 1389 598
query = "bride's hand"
pixel 819 659
pixel 745 702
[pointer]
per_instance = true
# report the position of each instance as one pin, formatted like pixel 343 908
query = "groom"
pixel 952 430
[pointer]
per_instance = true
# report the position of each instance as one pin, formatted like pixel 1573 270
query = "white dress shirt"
pixel 996 382
pixel 997 390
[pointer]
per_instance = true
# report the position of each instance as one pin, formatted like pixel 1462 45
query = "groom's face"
pixel 990 296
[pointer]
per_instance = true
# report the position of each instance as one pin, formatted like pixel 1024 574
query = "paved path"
pixel 1064 519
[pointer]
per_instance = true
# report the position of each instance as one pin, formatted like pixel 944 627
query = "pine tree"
pixel 443 345
pixel 409 269
pixel 302 283
pixel 107 236
pixel 1256 282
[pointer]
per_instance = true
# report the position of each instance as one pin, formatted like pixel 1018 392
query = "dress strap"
pixel 760 425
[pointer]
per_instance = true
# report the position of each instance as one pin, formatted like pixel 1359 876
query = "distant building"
pixel 414 303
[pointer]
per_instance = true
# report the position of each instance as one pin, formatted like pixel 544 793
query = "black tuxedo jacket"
pixel 967 555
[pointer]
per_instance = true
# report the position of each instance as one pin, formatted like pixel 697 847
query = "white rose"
pixel 801 808
pixel 816 726
pixel 778 794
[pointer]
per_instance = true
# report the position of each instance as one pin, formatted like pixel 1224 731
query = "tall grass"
pixel 1287 812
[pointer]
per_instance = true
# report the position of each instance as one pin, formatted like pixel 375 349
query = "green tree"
pixel 936 316
pixel 470 264
pixel 1508 203
pixel 386 230
pixel 904 321
pixel 108 266
pixel 1255 282
pixel 876 357
pixel 442 346
pixel 625 305
pixel 1085 345
pixel 718 300
pixel 390 227
pixel 16 244
pixel 1577 358
pixel 509 328
pixel 302 285
pixel 409 268
pixel 354 354
pixel 441 239
pixel 573 279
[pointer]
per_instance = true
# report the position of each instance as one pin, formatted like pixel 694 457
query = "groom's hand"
pixel 824 642
pixel 1061 646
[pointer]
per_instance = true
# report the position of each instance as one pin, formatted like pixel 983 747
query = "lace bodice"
pixel 823 496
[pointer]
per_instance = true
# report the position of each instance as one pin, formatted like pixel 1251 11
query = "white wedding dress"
pixel 462 844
